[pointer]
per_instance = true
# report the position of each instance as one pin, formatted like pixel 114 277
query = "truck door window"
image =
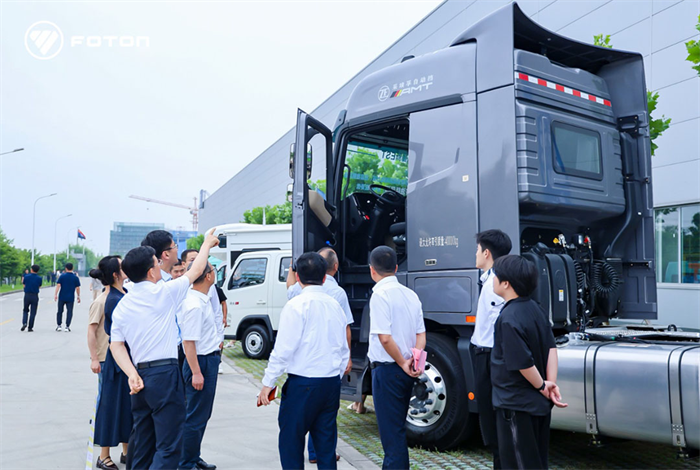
pixel 576 151
pixel 249 272
pixel 221 275
pixel 284 268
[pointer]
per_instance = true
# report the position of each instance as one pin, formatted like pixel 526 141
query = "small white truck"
pixel 253 275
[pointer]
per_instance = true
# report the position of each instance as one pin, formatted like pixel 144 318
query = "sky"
pixel 161 100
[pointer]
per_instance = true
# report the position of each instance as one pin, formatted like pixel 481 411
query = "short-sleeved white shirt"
pixel 197 322
pixel 393 310
pixel 145 319
pixel 330 287
pixel 311 341
pixel 487 312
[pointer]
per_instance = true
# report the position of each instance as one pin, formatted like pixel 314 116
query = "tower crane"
pixel 193 209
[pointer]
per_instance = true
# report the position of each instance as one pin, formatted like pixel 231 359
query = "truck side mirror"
pixel 309 157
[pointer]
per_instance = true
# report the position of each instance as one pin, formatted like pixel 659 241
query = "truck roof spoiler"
pixel 508 28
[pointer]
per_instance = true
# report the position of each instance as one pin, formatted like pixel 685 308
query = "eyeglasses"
pixel 171 248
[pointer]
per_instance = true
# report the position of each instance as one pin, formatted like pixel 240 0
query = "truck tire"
pixel 256 342
pixel 445 422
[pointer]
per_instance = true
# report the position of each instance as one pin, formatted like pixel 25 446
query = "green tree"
pixel 278 214
pixel 693 48
pixel 656 126
pixel 195 243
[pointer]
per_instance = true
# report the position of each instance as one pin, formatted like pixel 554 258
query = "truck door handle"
pixel 261 302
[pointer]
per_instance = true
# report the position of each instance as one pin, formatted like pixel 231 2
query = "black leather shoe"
pixel 30 330
pixel 24 327
pixel 202 465
pixel 122 458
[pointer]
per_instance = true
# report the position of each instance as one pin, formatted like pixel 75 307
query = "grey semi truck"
pixel 546 138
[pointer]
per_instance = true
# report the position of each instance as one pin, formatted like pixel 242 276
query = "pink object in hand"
pixel 419 357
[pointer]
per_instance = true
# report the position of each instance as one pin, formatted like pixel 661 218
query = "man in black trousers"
pixel 396 326
pixel 523 368
pixel 312 347
pixel 32 283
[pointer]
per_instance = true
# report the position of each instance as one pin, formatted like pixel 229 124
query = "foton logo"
pixel 43 40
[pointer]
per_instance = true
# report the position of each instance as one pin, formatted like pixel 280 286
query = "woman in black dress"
pixel 113 420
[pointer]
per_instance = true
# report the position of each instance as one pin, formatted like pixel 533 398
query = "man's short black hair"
pixel 519 272
pixel 69 266
pixel 35 268
pixel 179 263
pixel 159 240
pixel 329 255
pixel 496 241
pixel 311 268
pixel 184 254
pixel 137 262
pixel 201 277
pixel 383 260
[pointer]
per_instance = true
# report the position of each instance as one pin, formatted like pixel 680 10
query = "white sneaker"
pixel 221 369
pixel 67 329
pixel 58 328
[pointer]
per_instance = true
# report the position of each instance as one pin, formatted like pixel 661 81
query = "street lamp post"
pixel 34 220
pixel 55 228
pixel 12 151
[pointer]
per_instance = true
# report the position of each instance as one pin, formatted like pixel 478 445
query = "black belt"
pixel 480 350
pixel 158 363
pixel 374 365
pixel 214 353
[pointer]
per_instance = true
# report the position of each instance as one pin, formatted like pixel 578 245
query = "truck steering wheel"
pixel 390 197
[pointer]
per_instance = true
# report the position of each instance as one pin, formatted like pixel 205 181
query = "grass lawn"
pixel 17 287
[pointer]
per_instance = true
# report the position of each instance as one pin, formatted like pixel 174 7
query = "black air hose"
pixel 604 279
pixel 580 276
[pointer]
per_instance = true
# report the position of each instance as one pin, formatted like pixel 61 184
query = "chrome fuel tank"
pixel 631 390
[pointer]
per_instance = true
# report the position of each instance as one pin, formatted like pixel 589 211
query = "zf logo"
pixel 384 93
pixel 43 40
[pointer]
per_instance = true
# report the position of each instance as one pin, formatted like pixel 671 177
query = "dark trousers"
pixel 481 361
pixel 523 439
pixel 309 405
pixel 31 303
pixel 69 312
pixel 199 407
pixel 312 450
pixel 158 414
pixel 391 389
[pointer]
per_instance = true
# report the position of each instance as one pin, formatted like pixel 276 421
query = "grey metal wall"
pixel 656 28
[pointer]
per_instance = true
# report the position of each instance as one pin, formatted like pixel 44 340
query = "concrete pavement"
pixel 48 394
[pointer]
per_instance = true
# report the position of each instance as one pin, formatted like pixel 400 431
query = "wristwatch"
pixel 543 386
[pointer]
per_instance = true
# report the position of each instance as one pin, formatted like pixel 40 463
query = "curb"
pixel 22 291
pixel 346 451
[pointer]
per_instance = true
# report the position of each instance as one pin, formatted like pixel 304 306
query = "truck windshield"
pixel 377 156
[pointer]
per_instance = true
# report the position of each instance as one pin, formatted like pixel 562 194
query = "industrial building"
pixel 657 29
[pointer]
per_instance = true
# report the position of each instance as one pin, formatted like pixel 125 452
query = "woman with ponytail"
pixel 113 420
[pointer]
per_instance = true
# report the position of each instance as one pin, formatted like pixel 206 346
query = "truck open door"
pixel 313 215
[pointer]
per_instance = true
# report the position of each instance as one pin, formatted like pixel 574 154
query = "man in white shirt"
pixel 396 326
pixel 490 245
pixel 166 251
pixel 311 346
pixel 145 319
pixel 202 344
pixel 330 287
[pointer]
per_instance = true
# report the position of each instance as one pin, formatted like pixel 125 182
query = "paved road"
pixel 48 394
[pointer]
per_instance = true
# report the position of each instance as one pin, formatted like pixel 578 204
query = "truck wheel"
pixel 438 416
pixel 256 342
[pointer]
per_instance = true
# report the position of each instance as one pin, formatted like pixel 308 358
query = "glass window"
pixel 667 244
pixel 690 248
pixel 284 268
pixel 576 151
pixel 249 272
pixel 221 275
pixel 377 156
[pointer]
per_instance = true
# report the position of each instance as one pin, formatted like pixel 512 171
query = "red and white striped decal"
pixel 562 88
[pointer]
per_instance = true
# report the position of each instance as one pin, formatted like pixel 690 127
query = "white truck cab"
pixel 256 260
